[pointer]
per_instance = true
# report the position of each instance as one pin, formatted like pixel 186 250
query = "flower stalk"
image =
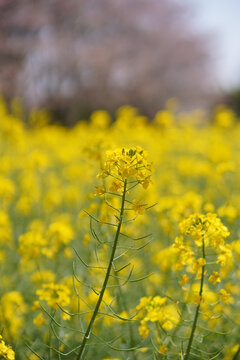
pixel 186 356
pixel 105 282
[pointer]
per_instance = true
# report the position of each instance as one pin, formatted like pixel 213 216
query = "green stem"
pixel 90 325
pixel 186 356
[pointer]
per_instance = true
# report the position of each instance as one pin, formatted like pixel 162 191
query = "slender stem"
pixel 90 325
pixel 186 356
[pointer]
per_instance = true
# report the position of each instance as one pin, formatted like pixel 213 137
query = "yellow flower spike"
pixel 209 226
pixel 125 166
pixel 127 163
pixel 205 230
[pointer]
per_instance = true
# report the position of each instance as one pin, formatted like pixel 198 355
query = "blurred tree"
pixel 78 55
pixel 231 98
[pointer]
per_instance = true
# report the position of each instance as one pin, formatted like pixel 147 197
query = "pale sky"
pixel 222 19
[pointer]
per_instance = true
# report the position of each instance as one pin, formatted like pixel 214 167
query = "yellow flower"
pixel 7 190
pixel 126 163
pixel 54 295
pixel 155 309
pixel 225 296
pixel 39 320
pixel 100 190
pixel 207 226
pixel 198 264
pixel 214 278
pixel 163 349
pixel 31 244
pixel 143 329
pixel 168 325
pixel 184 280
pixel 116 186
pixel 144 302
pixel 6 352
pixel 138 208
pixel 60 233
pixel 12 308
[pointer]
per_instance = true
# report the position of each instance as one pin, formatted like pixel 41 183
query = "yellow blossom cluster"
pixel 54 295
pixel 126 163
pixel 35 243
pixel 208 226
pixel 207 229
pixel 6 352
pixel 157 310
pixel 12 307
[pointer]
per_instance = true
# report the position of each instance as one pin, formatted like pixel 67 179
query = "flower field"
pixel 120 240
